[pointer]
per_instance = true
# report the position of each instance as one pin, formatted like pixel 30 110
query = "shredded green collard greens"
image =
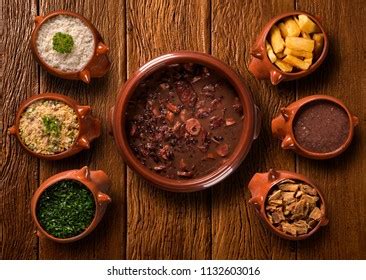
pixel 66 209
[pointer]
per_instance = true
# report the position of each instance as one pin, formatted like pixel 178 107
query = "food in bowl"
pixel 294 207
pixel 48 127
pixel 65 42
pixel 294 43
pixel 321 126
pixel 184 121
pixel 66 209
pixel 317 126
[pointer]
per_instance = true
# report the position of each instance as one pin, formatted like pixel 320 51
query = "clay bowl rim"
pixel 297 177
pixel 44 19
pixel 314 98
pixel 241 149
pixel 65 176
pixel 52 96
pixel 314 66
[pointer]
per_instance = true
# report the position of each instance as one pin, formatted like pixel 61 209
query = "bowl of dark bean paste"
pixel 69 205
pixel 317 126
pixel 184 121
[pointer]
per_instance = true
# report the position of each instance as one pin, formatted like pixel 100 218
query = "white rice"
pixel 82 50
pixel 32 129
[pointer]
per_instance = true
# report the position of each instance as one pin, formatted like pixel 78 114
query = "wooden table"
pixel 144 222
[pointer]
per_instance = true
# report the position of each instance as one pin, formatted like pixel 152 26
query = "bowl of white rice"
pixel 68 45
pixel 53 126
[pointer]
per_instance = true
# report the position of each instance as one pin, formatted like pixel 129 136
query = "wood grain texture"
pixel 342 179
pixel 237 231
pixel 19 172
pixel 109 239
pixel 163 225
pixel 144 222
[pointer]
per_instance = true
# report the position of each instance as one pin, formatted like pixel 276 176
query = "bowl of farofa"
pixel 53 126
pixel 68 45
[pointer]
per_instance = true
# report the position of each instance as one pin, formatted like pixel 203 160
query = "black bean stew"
pixel 184 121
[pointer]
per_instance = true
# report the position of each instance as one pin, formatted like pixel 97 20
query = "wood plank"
pixel 163 225
pixel 341 179
pixel 18 75
pixel 237 231
pixel 109 238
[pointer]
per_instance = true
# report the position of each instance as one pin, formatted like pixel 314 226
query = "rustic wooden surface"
pixel 144 222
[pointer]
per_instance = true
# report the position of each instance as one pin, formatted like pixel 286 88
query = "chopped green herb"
pixel 52 126
pixel 62 42
pixel 66 209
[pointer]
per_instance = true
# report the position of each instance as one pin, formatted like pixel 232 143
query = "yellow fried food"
pixel 292 28
pixel 307 25
pixel 272 57
pixel 276 39
pixel 296 62
pixel 285 67
pixel 297 53
pixel 300 44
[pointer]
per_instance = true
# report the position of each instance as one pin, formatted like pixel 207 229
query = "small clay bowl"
pixel 260 186
pixel 251 122
pixel 97 182
pixel 282 127
pixel 262 68
pixel 89 127
pixel 97 66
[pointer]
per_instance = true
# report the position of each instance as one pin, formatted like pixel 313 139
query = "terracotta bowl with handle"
pixel 251 122
pixel 89 127
pixel 97 182
pixel 262 68
pixel 260 186
pixel 282 127
pixel 97 66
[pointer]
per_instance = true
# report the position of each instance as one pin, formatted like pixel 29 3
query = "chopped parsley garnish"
pixel 52 126
pixel 62 42
pixel 66 209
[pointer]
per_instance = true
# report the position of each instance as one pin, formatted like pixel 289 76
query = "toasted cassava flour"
pixel 48 127
pixel 81 51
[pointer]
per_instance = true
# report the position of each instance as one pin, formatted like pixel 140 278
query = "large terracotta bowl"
pixel 282 127
pixel 262 68
pixel 97 182
pixel 89 127
pixel 260 186
pixel 97 66
pixel 251 122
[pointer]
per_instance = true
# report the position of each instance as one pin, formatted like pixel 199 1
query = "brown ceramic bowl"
pixel 282 127
pixel 262 68
pixel 97 182
pixel 89 127
pixel 260 186
pixel 97 66
pixel 251 122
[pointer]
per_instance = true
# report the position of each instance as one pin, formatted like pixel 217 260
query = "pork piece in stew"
pixel 184 121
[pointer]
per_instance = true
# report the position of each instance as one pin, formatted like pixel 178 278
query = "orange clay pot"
pixel 282 127
pixel 89 127
pixel 97 182
pixel 262 68
pixel 251 122
pixel 97 66
pixel 261 184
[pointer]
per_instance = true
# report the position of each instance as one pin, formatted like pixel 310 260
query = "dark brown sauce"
pixel 321 126
pixel 184 121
